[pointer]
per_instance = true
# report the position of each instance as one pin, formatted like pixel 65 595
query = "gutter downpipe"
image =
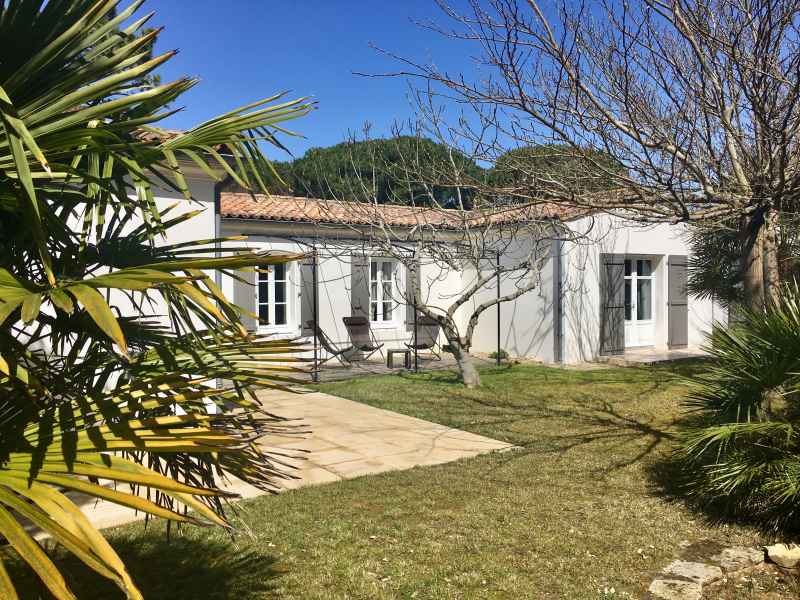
pixel 217 234
pixel 558 301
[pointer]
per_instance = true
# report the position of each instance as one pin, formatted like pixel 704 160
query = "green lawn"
pixel 576 509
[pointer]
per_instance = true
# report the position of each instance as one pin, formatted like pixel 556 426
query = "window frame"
pixel 634 279
pixel 271 303
pixel 382 300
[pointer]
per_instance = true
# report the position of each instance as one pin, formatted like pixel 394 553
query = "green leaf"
pixel 101 313
pixel 30 307
pixel 62 300
pixel 33 554
pixel 6 586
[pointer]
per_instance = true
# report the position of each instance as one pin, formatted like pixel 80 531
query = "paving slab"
pixel 347 439
pixel 675 589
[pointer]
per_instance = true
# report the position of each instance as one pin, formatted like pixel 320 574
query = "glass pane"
pixel 386 268
pixel 374 307
pixel 280 272
pixel 280 291
pixel 373 269
pixel 628 312
pixel 280 314
pixel 373 291
pixel 644 268
pixel 387 311
pixel 263 313
pixel 644 301
pixel 387 289
pixel 628 267
pixel 263 291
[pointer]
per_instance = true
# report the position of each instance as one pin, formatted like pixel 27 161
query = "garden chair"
pixel 333 350
pixel 361 336
pixel 427 339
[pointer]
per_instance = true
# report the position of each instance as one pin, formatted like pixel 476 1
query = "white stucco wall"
pixel 528 324
pixel 581 281
pixel 334 291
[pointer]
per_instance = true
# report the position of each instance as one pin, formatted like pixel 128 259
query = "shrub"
pixel 501 354
pixel 744 455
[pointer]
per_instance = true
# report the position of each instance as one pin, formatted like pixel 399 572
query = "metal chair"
pixel 340 354
pixel 427 339
pixel 361 336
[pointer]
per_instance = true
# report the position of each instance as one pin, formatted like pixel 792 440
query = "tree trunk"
pixel 466 366
pixel 761 275
pixel 459 348
pixel 753 267
pixel 772 274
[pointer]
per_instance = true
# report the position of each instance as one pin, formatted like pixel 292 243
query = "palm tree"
pixel 743 454
pixel 91 393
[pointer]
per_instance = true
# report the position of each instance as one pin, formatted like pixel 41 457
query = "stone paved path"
pixel 348 439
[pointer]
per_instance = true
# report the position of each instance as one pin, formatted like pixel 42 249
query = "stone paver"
pixel 694 571
pixel 685 580
pixel 347 439
pixel 739 557
pixel 675 589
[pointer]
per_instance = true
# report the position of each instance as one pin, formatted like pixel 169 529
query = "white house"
pixel 616 286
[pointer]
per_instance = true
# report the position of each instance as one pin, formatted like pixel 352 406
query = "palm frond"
pixel 745 453
pixel 113 338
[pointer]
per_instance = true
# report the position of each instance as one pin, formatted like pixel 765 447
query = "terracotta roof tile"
pixel 157 134
pixel 236 205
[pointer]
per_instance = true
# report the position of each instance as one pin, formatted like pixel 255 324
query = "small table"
pixel 406 358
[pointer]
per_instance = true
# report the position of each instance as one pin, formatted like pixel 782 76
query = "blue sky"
pixel 248 49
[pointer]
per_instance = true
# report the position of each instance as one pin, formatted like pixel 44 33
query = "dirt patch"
pixel 700 550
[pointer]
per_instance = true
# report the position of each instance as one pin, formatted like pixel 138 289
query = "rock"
pixel 783 555
pixel 738 557
pixel 675 589
pixel 694 571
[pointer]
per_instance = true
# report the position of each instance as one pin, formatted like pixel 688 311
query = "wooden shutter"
pixel 677 302
pixel 244 296
pixel 307 293
pixel 359 285
pixel 612 304
pixel 413 291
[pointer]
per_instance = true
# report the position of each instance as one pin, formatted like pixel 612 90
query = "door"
pixel 639 317
pixel 677 303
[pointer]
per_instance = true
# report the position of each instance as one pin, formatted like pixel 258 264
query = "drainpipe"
pixel 218 226
pixel 497 357
pixel 558 304
pixel 315 307
pixel 217 234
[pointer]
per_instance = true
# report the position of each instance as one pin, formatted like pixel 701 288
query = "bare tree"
pixel 695 100
pixel 459 256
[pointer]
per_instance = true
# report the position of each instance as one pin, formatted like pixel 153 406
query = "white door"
pixel 639 318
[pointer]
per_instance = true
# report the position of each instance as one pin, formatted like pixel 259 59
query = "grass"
pixel 579 508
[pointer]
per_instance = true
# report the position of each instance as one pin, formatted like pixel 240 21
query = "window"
pixel 638 290
pixel 381 289
pixel 272 296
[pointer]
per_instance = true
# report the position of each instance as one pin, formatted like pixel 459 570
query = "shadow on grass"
pixel 597 421
pixel 671 479
pixel 174 568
